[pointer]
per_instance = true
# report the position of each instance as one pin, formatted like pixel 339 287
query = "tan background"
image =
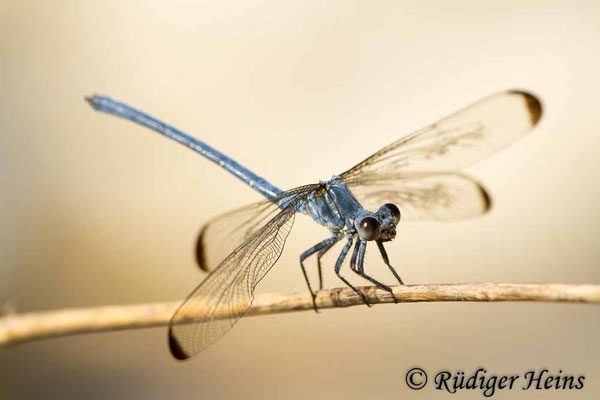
pixel 96 211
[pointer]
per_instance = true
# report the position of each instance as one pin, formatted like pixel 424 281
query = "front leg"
pixel 386 260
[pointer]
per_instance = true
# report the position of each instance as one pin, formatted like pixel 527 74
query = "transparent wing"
pixel 223 234
pixel 458 140
pixel 227 293
pixel 423 196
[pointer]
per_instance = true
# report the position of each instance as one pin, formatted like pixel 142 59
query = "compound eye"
pixel 368 229
pixel 394 211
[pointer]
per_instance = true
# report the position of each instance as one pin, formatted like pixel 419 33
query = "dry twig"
pixel 18 328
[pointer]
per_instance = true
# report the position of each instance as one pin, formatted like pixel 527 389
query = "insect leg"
pixel 325 244
pixel 361 269
pixel 319 255
pixel 338 266
pixel 354 256
pixel 386 260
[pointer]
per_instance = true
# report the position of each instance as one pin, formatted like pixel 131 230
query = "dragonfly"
pixel 414 178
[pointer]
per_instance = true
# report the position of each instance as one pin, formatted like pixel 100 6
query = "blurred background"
pixel 97 211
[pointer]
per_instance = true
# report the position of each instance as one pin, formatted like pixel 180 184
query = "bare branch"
pixel 18 328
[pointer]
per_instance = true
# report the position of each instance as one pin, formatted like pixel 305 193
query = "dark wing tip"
pixel 200 253
pixel 176 348
pixel 533 105
pixel 486 199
